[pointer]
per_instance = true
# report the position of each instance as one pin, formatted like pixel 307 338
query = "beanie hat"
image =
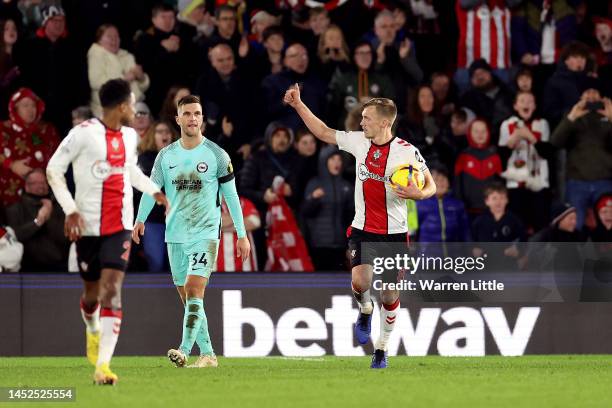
pixel 560 211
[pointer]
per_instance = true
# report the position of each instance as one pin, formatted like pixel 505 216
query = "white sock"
pixel 91 316
pixel 388 314
pixel 363 300
pixel 110 322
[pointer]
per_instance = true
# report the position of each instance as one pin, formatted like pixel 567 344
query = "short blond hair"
pixel 384 107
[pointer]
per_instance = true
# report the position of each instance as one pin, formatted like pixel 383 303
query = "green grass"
pixel 534 381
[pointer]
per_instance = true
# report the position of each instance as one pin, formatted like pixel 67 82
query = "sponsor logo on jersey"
pixel 102 170
pixel 202 167
pixel 365 174
pixel 230 168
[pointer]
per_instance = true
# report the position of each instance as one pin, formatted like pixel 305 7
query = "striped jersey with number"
pixel 377 208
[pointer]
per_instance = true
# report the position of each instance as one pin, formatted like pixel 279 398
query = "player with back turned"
pixel 380 212
pixel 103 157
pixel 195 173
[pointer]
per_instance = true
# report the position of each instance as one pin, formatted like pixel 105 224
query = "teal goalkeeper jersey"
pixel 191 179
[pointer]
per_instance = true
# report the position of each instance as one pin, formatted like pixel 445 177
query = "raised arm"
pixel 319 129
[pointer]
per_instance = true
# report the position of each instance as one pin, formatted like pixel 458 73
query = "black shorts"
pixel 108 251
pixel 361 254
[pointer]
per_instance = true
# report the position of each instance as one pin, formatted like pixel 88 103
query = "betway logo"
pixel 468 339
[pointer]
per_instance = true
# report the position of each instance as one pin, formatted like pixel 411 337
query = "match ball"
pixel 406 174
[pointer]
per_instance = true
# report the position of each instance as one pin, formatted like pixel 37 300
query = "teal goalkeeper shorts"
pixel 193 258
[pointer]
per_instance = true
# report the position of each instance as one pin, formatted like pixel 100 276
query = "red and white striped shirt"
pixel 484 32
pixel 227 259
pixel 377 208
pixel 104 163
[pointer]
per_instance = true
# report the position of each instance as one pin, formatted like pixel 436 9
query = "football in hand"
pixel 407 174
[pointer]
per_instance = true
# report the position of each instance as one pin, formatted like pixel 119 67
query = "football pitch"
pixel 532 381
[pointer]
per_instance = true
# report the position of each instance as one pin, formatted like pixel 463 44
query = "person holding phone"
pixel 586 134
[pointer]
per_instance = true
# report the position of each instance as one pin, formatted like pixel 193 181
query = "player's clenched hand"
pixel 160 198
pixel 243 248
pixel 73 226
pixel 292 96
pixel 410 192
pixel 138 231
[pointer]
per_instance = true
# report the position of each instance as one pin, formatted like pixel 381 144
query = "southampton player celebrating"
pixel 194 172
pixel 103 157
pixel 380 212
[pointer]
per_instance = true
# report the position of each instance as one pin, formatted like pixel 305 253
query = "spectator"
pixel 565 86
pixel 421 127
pixel 168 109
pixel 164 55
pixel 328 208
pixel 426 28
pixel 455 136
pixel 484 32
pixel 228 99
pixel 524 143
pixel 524 80
pixel 194 14
pixel 64 83
pixel 562 228
pixel 274 86
pixel 11 250
pixel 27 143
pixel 142 118
pixel 275 159
pixel 603 217
pixel 10 75
pixel 351 87
pixel 225 32
pixel 81 114
pixel 540 29
pixel 442 218
pixel 396 58
pixel 270 59
pixel 317 22
pixel 332 53
pixel 445 94
pixel 227 260
pixel 38 221
pixel 555 253
pixel 476 167
pixel 159 135
pixel 499 225
pixel 106 61
pixel 306 147
pixel 261 20
pixel 487 96
pixel 586 134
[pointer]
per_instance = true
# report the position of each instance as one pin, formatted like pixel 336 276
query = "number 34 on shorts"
pixel 194 258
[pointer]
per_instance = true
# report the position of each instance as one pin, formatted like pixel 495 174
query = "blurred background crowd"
pixel 507 100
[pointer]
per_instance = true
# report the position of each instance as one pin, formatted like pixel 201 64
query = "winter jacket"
pixel 328 217
pixel 45 247
pixel 263 166
pixel 103 65
pixel 442 220
pixel 493 106
pixel 476 166
pixel 561 92
pixel 588 141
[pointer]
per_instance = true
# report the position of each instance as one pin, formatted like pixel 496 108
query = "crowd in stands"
pixel 507 101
